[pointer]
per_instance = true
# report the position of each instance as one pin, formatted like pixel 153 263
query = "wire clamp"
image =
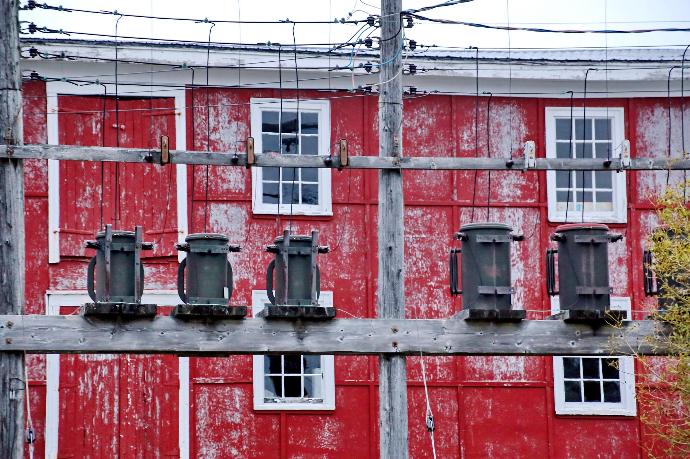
pixel 530 155
pixel 430 426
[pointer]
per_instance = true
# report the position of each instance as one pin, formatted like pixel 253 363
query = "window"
pixel 595 385
pixel 598 135
pixel 293 382
pixel 291 127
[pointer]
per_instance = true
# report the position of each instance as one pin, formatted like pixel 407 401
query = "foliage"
pixel 665 389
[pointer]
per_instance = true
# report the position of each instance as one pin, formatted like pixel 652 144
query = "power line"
pixel 544 30
pixel 31 5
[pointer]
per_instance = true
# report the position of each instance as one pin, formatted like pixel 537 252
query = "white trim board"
pixel 55 88
pixel 57 299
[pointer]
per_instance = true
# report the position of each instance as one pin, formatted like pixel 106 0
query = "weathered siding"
pixel 484 406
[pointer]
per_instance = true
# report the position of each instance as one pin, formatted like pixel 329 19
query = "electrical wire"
pixel 208 127
pixel 45 6
pixel 668 97
pixel 476 128
pixel 545 30
pixel 570 155
pixel 488 154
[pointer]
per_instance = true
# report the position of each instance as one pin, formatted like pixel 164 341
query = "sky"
pixel 556 14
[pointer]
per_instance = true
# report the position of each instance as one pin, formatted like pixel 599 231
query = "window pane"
pixel 562 196
pixel 562 179
pixel 602 129
pixel 310 194
pixel 563 150
pixel 293 386
pixel 604 179
pixel 312 364
pixel 310 123
pixel 290 193
pixel 270 194
pixel 583 128
pixel 590 368
pixel 571 367
pixel 269 143
pixel 563 129
pixel 580 175
pixel 604 196
pixel 310 145
pixel 272 387
pixel 609 368
pixel 292 364
pixel 289 122
pixel 612 392
pixel 269 121
pixel 290 146
pixel 313 387
pixel 290 173
pixel 583 150
pixel 572 391
pixel 588 196
pixel 592 391
pixel 272 364
pixel 310 174
pixel 603 150
pixel 270 173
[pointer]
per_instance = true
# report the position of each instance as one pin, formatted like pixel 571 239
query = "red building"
pixel 242 406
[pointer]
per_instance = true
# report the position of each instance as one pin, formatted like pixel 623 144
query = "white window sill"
pixel 295 211
pixel 292 406
pixel 597 410
pixel 590 217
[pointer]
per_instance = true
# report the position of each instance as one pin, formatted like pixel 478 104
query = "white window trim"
pixel 56 88
pixel 57 299
pixel 325 206
pixel 627 405
pixel 259 298
pixel 617 115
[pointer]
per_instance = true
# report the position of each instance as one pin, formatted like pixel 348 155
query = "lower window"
pixel 293 382
pixel 595 385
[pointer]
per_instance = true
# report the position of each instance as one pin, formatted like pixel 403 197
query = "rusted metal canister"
pixel 485 266
pixel 295 269
pixel 116 269
pixel 208 278
pixel 583 266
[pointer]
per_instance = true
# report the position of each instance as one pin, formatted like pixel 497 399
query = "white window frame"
pixel 322 107
pixel 616 114
pixel 259 299
pixel 55 299
pixel 628 404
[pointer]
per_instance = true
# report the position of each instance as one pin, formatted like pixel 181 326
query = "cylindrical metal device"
pixel 116 274
pixel 208 278
pixel 485 266
pixel 295 269
pixel 583 266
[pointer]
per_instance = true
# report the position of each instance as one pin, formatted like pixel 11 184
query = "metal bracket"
pixel 343 153
pixel 9 141
pixel 580 290
pixel 251 157
pixel 530 155
pixel 495 290
pixel 108 242
pixel 497 238
pixel 165 151
pixel 138 239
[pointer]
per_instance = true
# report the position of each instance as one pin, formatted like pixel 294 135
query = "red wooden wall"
pixel 484 406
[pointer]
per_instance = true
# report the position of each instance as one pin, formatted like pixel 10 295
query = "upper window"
pixel 291 127
pixel 595 385
pixel 594 196
pixel 293 382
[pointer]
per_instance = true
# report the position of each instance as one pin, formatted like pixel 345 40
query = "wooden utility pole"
pixel 11 232
pixel 391 290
